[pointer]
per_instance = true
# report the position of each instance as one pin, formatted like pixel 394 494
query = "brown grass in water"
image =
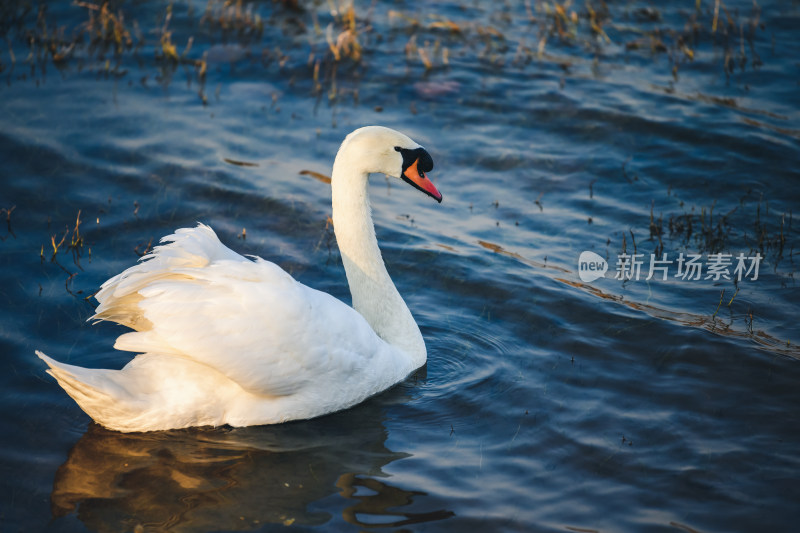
pixel 537 31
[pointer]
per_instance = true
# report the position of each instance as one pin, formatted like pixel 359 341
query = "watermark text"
pixel 685 267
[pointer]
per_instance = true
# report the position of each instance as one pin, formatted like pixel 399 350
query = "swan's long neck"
pixel 374 295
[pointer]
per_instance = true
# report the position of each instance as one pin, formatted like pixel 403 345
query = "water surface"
pixel 548 403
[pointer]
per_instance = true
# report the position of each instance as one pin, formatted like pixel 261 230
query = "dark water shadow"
pixel 204 479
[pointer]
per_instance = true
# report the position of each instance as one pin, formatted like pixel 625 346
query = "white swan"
pixel 228 340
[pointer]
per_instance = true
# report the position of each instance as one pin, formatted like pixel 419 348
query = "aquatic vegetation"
pixel 324 36
pixel 702 230
pixel 9 231
pixel 73 243
pixel 234 17
pixel 706 232
pixel 105 29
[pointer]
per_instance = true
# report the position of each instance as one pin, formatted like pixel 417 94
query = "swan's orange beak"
pixel 418 179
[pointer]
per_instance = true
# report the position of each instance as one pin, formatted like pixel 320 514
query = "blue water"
pixel 548 403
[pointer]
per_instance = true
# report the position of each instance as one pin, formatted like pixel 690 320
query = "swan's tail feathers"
pixel 94 390
pixel 187 248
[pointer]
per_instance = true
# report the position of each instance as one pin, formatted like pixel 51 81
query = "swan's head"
pixel 384 150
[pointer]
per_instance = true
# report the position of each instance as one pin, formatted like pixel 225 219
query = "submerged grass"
pixel 335 41
pixel 707 232
pixel 70 242
pixel 9 232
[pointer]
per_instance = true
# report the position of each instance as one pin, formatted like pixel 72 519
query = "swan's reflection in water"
pixel 235 479
pixel 384 506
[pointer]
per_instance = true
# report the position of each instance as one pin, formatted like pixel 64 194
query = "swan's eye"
pixel 418 155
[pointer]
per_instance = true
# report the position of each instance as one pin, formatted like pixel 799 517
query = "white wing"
pixel 249 320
